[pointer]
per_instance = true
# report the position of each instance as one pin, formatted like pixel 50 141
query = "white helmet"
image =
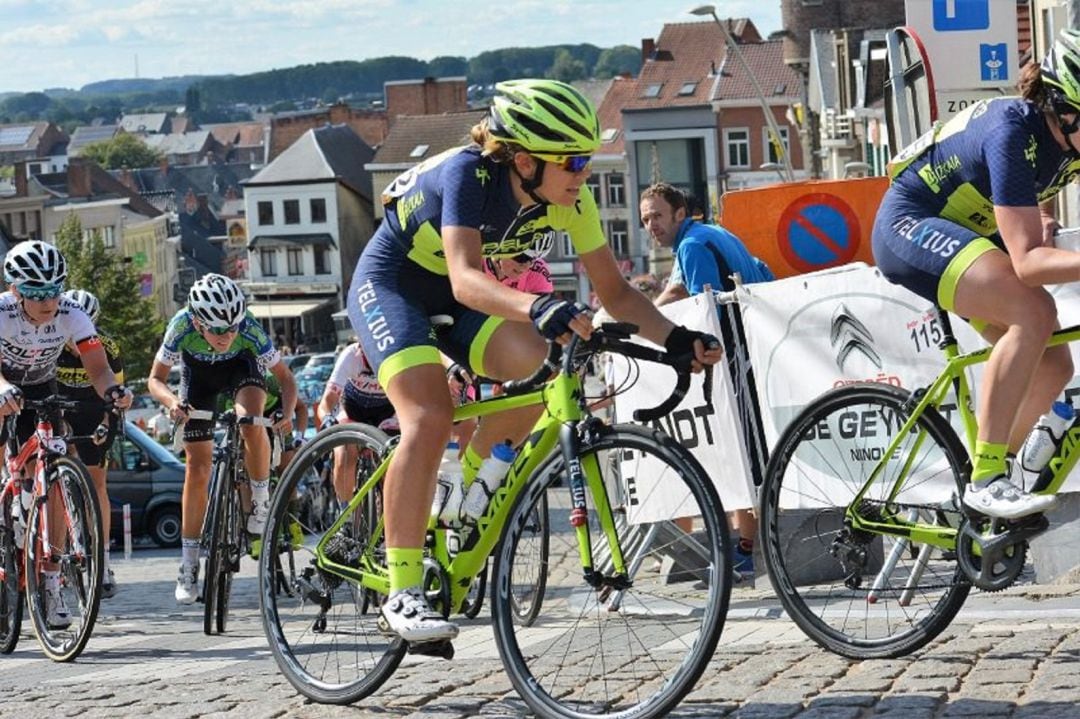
pixel 87 301
pixel 216 301
pixel 35 263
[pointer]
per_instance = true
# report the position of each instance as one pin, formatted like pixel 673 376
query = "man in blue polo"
pixel 705 255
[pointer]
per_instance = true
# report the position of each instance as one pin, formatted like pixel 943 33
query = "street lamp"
pixel 775 167
pixel 733 48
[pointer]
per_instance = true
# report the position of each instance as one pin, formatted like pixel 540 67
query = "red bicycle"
pixel 51 544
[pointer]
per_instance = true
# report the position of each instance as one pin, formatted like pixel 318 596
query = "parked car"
pixel 150 478
pixel 321 359
pixel 143 407
pixel 295 362
pixel 310 382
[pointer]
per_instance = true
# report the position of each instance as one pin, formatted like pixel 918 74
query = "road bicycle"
pixel 224 535
pixel 580 656
pixel 74 547
pixel 867 543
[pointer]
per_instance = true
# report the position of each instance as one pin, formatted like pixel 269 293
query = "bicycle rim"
pixel 213 541
pixel 863 595
pixel 530 572
pixel 322 629
pixel 11 601
pixel 77 553
pixel 598 652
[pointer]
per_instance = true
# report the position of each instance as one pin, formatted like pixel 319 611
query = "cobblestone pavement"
pixel 1013 654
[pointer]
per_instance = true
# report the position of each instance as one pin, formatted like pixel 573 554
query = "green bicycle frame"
pixel 953 377
pixel 558 422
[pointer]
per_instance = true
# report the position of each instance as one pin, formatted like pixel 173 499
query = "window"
pixel 770 148
pixel 419 151
pixel 688 88
pixel 318 210
pixel 268 262
pixel 617 236
pixel 737 147
pixel 266 213
pixel 322 261
pixel 566 245
pixel 295 258
pixel 292 212
pixel 653 90
pixel 593 183
pixel 616 190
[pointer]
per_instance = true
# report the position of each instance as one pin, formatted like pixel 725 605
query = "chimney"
pixel 648 47
pixel 78 178
pixel 20 179
pixel 163 165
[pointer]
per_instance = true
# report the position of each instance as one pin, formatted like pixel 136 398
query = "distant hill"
pixel 142 84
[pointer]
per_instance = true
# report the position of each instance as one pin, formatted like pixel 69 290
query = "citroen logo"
pixel 847 334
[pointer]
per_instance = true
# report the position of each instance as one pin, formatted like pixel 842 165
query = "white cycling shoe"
pixel 408 615
pixel 1002 499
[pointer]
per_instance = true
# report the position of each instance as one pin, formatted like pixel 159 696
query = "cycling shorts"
pixel 926 254
pixel 83 422
pixel 391 302
pixel 202 382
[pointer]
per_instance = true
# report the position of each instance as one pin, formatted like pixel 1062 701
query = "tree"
pixel 126 315
pixel 566 67
pixel 617 61
pixel 124 150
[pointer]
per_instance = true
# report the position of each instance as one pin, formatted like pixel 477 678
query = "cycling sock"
pixel 260 489
pixel 106 565
pixel 470 465
pixel 189 549
pixel 406 567
pixel 989 461
pixel 52 579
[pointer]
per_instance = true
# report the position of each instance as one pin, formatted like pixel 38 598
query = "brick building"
pixel 430 96
pixel 288 127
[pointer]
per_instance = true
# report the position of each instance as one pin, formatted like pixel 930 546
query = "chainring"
pixel 437 587
pixel 991 570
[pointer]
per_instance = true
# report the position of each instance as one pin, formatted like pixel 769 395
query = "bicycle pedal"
pixel 443 649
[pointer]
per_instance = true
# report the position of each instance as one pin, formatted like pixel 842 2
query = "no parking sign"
pixel 816 231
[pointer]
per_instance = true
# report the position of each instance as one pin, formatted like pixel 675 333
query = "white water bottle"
pixel 449 490
pixel 488 478
pixel 1045 438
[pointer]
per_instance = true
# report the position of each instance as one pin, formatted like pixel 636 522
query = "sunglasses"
pixel 219 331
pixel 570 163
pixel 40 294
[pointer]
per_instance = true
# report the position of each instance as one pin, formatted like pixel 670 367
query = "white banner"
pixel 713 436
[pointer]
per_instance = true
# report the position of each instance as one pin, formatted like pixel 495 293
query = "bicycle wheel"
pixel 215 542
pixel 606 651
pixel 474 600
pixel 324 630
pixel 859 594
pixel 530 572
pixel 11 601
pixel 76 554
pixel 232 530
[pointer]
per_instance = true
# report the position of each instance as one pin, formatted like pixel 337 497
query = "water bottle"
pixel 18 524
pixel 488 478
pixel 449 490
pixel 1044 439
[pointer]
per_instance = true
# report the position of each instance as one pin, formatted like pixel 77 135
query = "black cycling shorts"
pixel 83 422
pixel 202 382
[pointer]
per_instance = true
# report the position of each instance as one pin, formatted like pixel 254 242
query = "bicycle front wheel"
pixel 629 648
pixel 64 563
pixel 10 597
pixel 220 514
pixel 863 594
pixel 322 628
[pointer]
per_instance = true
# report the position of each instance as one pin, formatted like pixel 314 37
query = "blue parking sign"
pixel 992 65
pixel 955 15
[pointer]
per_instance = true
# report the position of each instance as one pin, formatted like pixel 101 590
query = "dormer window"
pixel 688 88
pixel 419 150
pixel 653 90
pixel 609 134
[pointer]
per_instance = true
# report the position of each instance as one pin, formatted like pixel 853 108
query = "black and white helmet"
pixel 36 264
pixel 87 301
pixel 216 301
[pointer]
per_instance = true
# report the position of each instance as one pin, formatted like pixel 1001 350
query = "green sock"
pixel 989 461
pixel 470 465
pixel 406 567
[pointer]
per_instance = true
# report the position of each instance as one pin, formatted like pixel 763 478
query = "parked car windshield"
pixel 157 452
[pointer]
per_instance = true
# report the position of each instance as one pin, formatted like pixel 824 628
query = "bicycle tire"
pixel 836 584
pixel 232 544
pixel 81 554
pixel 214 542
pixel 323 635
pixel 526 598
pixel 11 600
pixel 474 600
pixel 565 665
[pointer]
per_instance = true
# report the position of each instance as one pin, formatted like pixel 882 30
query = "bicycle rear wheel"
pixel 11 601
pixel 76 552
pixel 323 629
pixel 860 594
pixel 601 651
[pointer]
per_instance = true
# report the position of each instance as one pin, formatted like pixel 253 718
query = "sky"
pixel 69 43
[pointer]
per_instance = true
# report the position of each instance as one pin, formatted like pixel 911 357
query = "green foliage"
pixel 618 60
pixel 126 316
pixel 565 67
pixel 124 150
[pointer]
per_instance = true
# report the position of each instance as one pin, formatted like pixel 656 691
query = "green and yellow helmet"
pixel 544 116
pixel 1060 68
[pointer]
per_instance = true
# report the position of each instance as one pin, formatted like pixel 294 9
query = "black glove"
pixel 327 423
pixel 681 341
pixel 552 316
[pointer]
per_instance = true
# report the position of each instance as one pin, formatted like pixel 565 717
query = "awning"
pixel 318 238
pixel 269 309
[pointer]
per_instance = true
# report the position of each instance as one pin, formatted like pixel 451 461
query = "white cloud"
pixel 50 35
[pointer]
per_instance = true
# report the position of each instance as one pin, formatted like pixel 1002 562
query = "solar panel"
pixel 15 135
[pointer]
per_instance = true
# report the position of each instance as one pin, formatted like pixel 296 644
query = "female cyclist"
pixel 968 223
pixel 520 182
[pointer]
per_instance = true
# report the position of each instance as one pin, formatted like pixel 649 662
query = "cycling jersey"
pixel 73 382
pixel 184 343
pixel 937 218
pixel 353 375
pixel 72 378
pixel 536 279
pixel 401 279
pixel 28 353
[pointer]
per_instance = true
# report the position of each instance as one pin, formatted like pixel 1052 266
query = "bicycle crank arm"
pixel 442 649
